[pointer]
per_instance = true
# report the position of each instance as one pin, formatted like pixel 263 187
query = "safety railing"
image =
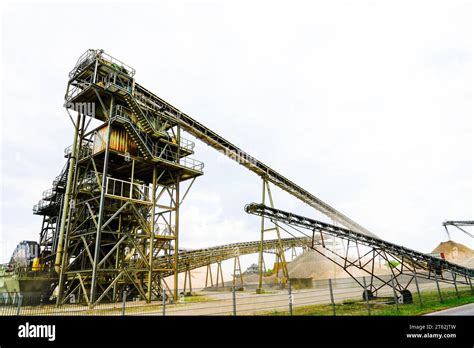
pixel 84 60
pixel 114 79
pixel 140 97
pixel 48 194
pixel 126 189
pixel 85 150
pixel 191 163
pixel 123 114
pixel 163 229
pixel 90 55
pixel 89 182
pixel 75 89
pixel 42 205
pixel 116 64
pixel 122 111
pixel 186 144
pixel 60 180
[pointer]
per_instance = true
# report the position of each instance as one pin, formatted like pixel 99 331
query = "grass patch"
pixel 195 298
pixel 386 307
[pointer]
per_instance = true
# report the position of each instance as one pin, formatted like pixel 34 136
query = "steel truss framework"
pixel 49 207
pixel 146 106
pixel 154 125
pixel 279 251
pixel 192 259
pixel 155 128
pixel 459 224
pixel 121 207
pixel 410 261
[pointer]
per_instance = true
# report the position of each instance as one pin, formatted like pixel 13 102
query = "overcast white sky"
pixel 366 104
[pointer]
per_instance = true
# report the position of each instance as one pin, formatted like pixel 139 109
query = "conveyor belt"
pixel 424 261
pixel 193 259
pixel 222 145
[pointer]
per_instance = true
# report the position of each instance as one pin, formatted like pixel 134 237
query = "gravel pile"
pixel 316 266
pixel 469 263
pixel 455 252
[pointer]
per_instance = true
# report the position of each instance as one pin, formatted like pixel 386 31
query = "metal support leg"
pixel 418 288
pixel 366 297
pixel 95 265
pixel 332 298
pixel 439 290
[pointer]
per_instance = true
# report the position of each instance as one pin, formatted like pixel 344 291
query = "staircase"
pixel 54 196
pixel 144 121
pixel 144 147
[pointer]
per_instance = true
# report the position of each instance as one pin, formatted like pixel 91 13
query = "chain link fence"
pixel 322 297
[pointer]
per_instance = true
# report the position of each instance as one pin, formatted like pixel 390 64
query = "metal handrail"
pixel 111 80
pixel 84 60
pixel 48 194
pixel 127 189
pixel 108 58
pixel 163 229
pixel 191 163
pixel 119 110
pixel 78 88
pixel 90 55
pixel 119 113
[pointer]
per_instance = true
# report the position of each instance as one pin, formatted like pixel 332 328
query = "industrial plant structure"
pixel 111 218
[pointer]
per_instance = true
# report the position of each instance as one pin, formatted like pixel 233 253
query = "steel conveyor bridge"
pixel 145 98
pixel 411 261
pixel 192 259
pixel 147 107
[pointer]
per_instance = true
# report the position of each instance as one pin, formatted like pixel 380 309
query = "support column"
pixel 65 208
pixel 187 273
pixel 101 210
pixel 260 251
pixel 152 233
pixel 237 268
pixel 209 272
pixel 281 252
pixel 176 240
pixel 219 273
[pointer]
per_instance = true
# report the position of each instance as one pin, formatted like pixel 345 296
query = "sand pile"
pixel 469 263
pixel 455 252
pixel 314 265
pixel 198 278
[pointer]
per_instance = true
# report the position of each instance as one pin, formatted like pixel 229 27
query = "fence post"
pixel 470 283
pixel 164 301
pixel 439 290
pixel 418 290
pixel 290 299
pixel 234 302
pixel 20 300
pixel 124 299
pixel 394 294
pixel 366 296
pixel 332 298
